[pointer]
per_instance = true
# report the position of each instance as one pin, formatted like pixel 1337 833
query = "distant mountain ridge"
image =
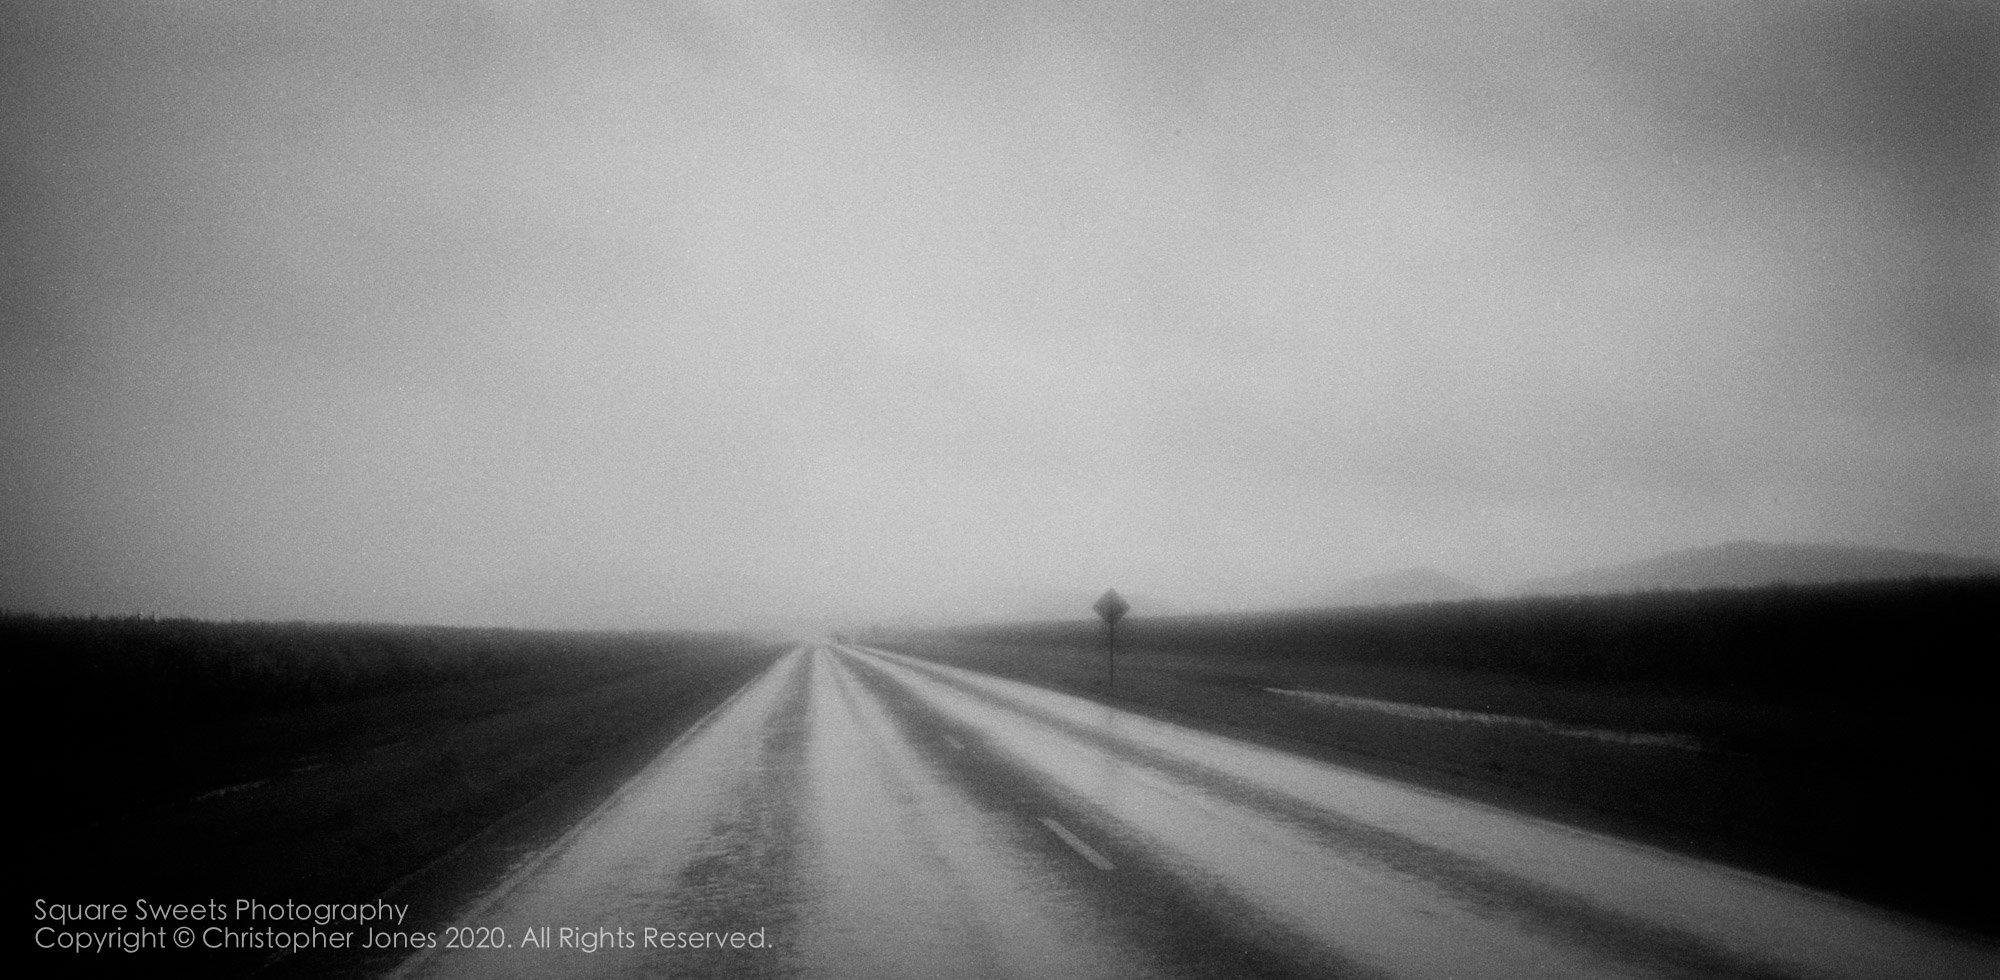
pixel 1753 563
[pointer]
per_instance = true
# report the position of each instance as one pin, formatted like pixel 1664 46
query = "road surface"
pixel 858 813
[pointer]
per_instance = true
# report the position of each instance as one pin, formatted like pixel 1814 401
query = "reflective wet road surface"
pixel 858 813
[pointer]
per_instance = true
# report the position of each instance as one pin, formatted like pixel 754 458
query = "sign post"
pixel 1112 607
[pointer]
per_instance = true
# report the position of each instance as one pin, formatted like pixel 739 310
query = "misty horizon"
pixel 698 315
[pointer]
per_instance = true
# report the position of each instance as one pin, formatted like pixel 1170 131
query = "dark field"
pixel 1839 736
pixel 182 761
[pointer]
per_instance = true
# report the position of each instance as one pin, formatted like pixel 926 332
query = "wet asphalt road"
pixel 868 815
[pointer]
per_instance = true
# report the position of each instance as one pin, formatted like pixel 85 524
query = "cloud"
pixel 663 313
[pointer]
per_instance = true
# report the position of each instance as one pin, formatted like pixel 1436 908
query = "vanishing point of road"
pixel 863 814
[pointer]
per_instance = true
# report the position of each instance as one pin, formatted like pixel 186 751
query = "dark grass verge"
pixel 499 740
pixel 440 892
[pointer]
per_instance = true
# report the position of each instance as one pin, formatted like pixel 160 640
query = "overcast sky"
pixel 682 313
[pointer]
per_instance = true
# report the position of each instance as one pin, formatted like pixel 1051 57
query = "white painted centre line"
pixel 1089 853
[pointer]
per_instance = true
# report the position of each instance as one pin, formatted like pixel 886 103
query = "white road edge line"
pixel 1089 853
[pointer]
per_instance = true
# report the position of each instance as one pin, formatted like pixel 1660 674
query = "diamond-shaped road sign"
pixel 1111 606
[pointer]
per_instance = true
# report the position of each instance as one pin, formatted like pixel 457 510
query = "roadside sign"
pixel 1112 606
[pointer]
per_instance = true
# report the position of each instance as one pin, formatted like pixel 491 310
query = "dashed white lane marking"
pixel 1089 853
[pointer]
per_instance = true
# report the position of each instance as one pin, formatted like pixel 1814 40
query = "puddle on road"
pixel 1428 713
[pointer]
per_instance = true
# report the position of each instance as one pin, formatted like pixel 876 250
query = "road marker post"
pixel 1112 607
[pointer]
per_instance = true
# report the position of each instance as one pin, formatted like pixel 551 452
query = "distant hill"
pixel 1393 588
pixel 1753 563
